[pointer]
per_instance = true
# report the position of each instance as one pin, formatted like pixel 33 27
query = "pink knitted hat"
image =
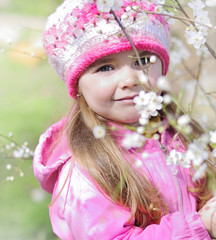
pixel 78 34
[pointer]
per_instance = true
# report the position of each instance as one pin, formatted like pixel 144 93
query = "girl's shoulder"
pixel 50 155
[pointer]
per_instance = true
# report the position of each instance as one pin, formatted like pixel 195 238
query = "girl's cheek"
pixel 106 82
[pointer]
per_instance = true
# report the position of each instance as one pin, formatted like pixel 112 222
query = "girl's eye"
pixel 144 61
pixel 105 68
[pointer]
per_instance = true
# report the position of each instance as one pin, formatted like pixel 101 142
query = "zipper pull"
pixel 164 149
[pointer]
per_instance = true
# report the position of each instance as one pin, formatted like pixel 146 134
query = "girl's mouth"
pixel 126 98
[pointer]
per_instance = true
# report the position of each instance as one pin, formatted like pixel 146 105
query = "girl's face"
pixel 110 84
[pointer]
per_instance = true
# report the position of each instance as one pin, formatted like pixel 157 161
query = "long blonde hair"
pixel 104 160
pixel 105 163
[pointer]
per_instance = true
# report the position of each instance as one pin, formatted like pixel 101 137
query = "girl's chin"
pixel 133 122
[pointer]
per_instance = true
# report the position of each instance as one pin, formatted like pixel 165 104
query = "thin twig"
pixel 133 46
pixel 197 84
pixel 201 88
pixel 182 19
pixel 24 53
pixel 213 164
pixel 10 140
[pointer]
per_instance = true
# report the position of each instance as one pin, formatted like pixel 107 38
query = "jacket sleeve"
pixel 85 213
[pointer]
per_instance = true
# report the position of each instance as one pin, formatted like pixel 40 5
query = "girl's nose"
pixel 128 79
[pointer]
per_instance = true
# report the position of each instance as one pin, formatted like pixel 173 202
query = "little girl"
pixel 103 189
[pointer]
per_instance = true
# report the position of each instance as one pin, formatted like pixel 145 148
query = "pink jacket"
pixel 82 212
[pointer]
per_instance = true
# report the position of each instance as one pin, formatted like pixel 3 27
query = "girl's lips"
pixel 127 98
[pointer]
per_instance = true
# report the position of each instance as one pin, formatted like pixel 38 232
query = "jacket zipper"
pixel 180 202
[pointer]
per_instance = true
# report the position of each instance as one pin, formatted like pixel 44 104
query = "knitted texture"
pixel 77 34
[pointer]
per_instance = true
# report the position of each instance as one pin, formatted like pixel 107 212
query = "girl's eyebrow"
pixel 101 61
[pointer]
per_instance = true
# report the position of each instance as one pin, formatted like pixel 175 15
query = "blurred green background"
pixel 31 98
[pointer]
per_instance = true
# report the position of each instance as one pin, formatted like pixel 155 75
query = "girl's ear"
pixel 79 95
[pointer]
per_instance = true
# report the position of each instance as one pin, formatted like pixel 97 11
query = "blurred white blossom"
pixel 199 173
pixel 194 38
pixel 183 120
pixel 163 84
pixel 213 136
pixel 178 159
pixel 153 59
pixel 145 155
pixel 202 18
pixel 10 178
pixel 99 132
pixel 37 195
pixel 133 140
pixel 196 153
pixel 138 163
pixel 167 99
pixel 214 152
pixel 211 3
pixel 140 130
pixel 178 52
pixel 107 5
pixel 144 78
pixel 8 166
pixel 196 5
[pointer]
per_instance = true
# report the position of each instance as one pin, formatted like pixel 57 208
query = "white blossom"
pixel 133 140
pixel 153 59
pixel 142 17
pixel 148 104
pixel 174 157
pixel 128 9
pixel 18 153
pixel 178 159
pixel 107 5
pixel 203 51
pixel 117 5
pixel 135 8
pixel 194 38
pixel 140 100
pixel 159 9
pixel 143 121
pixel 99 132
pixel 202 18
